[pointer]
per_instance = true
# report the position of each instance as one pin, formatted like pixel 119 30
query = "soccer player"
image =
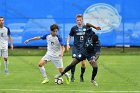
pixel 90 51
pixel 4 35
pixel 78 32
pixel 55 51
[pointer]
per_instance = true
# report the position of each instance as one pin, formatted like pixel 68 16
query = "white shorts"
pixel 57 61
pixel 4 53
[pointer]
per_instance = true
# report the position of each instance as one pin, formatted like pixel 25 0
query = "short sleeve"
pixel 8 33
pixel 71 32
pixel 44 37
pixel 60 40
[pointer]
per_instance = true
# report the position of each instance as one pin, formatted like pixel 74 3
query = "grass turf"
pixel 117 73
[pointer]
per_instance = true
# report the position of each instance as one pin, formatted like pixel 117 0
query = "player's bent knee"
pixel 40 64
pixel 5 59
pixel 93 63
pixel 83 65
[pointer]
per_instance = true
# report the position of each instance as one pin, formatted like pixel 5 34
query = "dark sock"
pixel 73 70
pixel 67 68
pixel 94 72
pixel 82 71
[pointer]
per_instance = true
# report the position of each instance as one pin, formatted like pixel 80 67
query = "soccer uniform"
pixel 78 33
pixel 53 49
pixel 4 33
pixel 89 49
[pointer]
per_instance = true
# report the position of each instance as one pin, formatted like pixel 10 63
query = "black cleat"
pixel 81 78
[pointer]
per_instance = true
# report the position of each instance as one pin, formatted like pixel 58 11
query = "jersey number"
pixel 52 43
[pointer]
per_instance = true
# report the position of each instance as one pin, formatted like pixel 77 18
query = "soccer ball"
pixel 58 81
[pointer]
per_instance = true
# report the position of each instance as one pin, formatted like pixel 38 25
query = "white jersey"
pixel 4 33
pixel 54 44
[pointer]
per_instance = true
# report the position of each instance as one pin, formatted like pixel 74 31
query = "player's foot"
pixel 94 82
pixel 46 80
pixel 67 78
pixel 58 76
pixel 81 78
pixel 72 78
pixel 6 72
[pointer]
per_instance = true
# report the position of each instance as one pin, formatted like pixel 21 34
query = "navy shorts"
pixel 75 52
pixel 85 56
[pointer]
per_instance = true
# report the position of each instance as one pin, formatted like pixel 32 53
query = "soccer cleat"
pixel 58 76
pixel 72 78
pixel 81 78
pixel 46 80
pixel 6 72
pixel 67 78
pixel 94 83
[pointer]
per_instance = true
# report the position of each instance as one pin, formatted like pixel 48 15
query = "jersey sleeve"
pixel 44 37
pixel 71 32
pixel 60 40
pixel 8 33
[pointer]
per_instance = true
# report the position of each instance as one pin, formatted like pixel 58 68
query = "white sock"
pixel 6 65
pixel 43 71
pixel 66 74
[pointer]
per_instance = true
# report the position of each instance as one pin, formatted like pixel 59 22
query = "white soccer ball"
pixel 58 81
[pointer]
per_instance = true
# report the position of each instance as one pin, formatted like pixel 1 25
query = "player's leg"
pixel 94 65
pixel 5 56
pixel 57 61
pixel 66 74
pixel 41 64
pixel 74 54
pixel 73 63
pixel 83 67
pixel 72 73
pixel 6 65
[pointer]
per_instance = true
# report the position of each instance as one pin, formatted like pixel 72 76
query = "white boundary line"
pixel 85 91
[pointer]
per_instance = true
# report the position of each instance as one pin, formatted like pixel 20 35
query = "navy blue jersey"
pixel 89 48
pixel 88 43
pixel 78 33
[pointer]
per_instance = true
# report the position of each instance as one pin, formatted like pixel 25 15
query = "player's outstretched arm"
pixel 34 38
pixel 88 25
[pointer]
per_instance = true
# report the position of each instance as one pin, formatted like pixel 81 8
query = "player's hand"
pixel 98 28
pixel 12 47
pixel 68 47
pixel 26 41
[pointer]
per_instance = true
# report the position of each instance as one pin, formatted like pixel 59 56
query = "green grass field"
pixel 117 73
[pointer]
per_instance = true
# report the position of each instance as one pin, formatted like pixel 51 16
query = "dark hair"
pixel 94 38
pixel 54 26
pixel 79 15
